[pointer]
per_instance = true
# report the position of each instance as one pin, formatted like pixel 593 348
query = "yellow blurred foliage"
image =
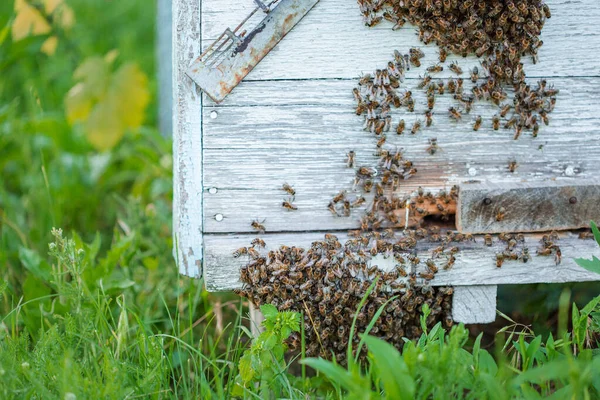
pixel 106 103
pixel 30 21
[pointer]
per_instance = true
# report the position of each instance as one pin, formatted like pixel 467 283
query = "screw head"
pixel 487 201
pixel 573 200
pixel 212 190
pixel 219 217
pixel 214 114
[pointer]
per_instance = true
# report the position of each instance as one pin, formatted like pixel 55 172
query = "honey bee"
pixel 500 214
pixel 442 54
pixel 287 204
pixel 487 239
pixel 433 146
pixel 400 127
pixel 428 118
pixel 557 255
pixel 416 127
pixel 430 102
pixel 499 260
pixel 477 123
pixel 241 251
pixel 427 275
pixel 474 74
pixel 495 122
pixel 455 68
pixel 435 68
pixel 512 166
pixel 258 242
pixel 536 130
pixel 381 141
pixel 415 61
pixel 524 256
pixel 258 226
pixel 253 253
pixel 451 86
pixel 455 114
pixel 450 263
pixel 546 11
pixel 505 109
pixel 544 252
pixel 349 162
pixel 368 186
pixel 441 88
pixel 586 235
pixel 287 188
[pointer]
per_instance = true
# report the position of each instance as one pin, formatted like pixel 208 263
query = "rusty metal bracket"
pixel 227 61
pixel 527 207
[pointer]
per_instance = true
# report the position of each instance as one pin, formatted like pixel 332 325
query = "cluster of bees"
pixel 501 32
pixel 328 281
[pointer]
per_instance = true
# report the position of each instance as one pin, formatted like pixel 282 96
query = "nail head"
pixel 214 114
pixel 573 200
pixel 487 201
pixel 212 190
pixel 219 217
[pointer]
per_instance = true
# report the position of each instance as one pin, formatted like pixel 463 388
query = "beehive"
pixel 292 121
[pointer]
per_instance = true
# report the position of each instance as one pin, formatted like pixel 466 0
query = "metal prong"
pixel 263 6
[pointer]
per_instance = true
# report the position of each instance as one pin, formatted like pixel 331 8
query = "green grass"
pixel 92 306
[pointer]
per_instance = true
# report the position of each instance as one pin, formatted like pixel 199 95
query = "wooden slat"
pixel 187 141
pixel 475 263
pixel 474 304
pixel 527 207
pixel 332 42
pixel 268 133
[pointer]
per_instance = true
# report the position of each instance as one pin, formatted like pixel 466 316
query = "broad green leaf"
pixel 245 367
pixel 268 310
pixel 592 265
pixel 487 364
pixel 35 264
pixel 550 371
pixel 532 350
pixel 107 104
pixel 394 374
pixel 339 375
pixel 591 306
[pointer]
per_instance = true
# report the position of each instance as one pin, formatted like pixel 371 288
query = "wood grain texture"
pixel 269 133
pixel 187 141
pixel 475 263
pixel 474 304
pixel 529 207
pixel 332 42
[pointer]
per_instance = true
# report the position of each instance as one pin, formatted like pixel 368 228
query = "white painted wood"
pixel 475 264
pixel 332 42
pixel 187 141
pixel 474 304
pixel 269 133
pixel 164 51
pixel 256 320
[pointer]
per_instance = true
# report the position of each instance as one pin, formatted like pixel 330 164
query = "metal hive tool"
pixel 231 57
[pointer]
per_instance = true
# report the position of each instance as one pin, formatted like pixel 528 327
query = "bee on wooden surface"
pixel 477 123
pixel 512 166
pixel 546 11
pixel 487 240
pixel 288 204
pixel 536 130
pixel 430 102
pixel 442 54
pixel 368 186
pixel 253 253
pixel 474 74
pixel 524 256
pixel 428 118
pixel 410 105
pixel 496 122
pixel 258 226
pixel 416 52
pixel 258 242
pixel 433 146
pixel 431 265
pixel 240 252
pixel 586 235
pixel 451 85
pixel 416 127
pixel 450 263
pixel 349 161
pixel 500 214
pixel 415 61
pixel 427 275
pixel 557 255
pixel 544 252
pixel 504 110
pixel 435 68
pixel 455 114
pixel 455 68
pixel 400 127
pixel 381 141
pixel 499 260
pixel 287 188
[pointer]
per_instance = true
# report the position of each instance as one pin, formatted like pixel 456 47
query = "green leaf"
pixel 591 306
pixel 245 367
pixel 596 231
pixel 592 265
pixel 269 311
pixel 35 264
pixel 551 371
pixel 339 375
pixel 532 350
pixel 487 364
pixel 392 369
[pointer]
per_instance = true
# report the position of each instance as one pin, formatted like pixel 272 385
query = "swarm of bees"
pixel 328 281
pixel 548 247
pixel 516 249
pixel 500 32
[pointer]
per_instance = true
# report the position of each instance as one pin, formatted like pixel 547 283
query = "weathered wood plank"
pixel 527 207
pixel 268 133
pixel 332 42
pixel 187 141
pixel 474 304
pixel 475 263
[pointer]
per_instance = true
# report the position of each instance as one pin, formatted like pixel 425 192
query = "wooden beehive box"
pixel 292 121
